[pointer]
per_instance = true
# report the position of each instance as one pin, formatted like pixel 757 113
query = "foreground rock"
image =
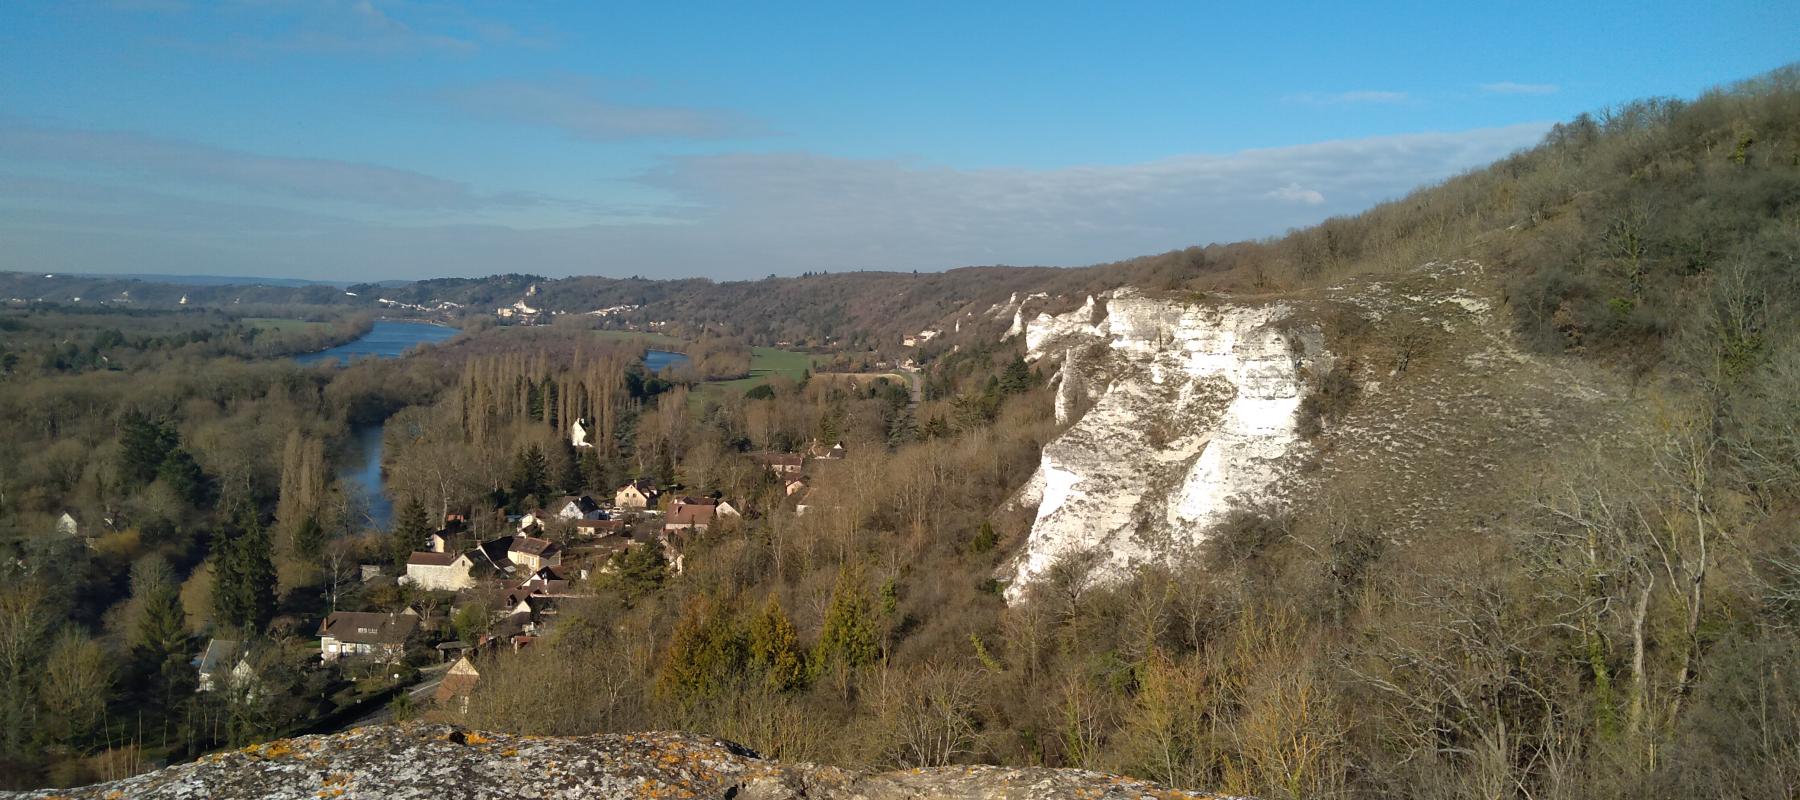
pixel 442 762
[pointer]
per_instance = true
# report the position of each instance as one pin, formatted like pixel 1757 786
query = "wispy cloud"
pixel 749 214
pixel 1509 87
pixel 576 108
pixel 1359 96
pixel 192 163
pixel 1295 193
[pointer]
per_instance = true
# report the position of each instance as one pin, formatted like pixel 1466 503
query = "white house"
pixel 637 494
pixel 352 634
pixel 533 553
pixel 573 507
pixel 438 571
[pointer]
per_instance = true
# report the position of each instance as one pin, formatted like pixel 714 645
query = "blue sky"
pixel 359 139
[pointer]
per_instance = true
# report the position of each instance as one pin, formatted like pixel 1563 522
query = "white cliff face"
pixel 1192 417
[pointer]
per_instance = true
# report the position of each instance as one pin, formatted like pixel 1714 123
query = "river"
pixel 387 339
pixel 656 360
pixel 391 339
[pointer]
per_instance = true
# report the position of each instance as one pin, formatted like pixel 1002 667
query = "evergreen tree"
pixel 409 531
pixel 985 539
pixel 309 538
pixel 144 444
pixel 183 474
pixel 161 642
pixel 1016 377
pixel 775 647
pixel 706 652
pixel 569 477
pixel 642 570
pixel 592 472
pixel 848 638
pixel 243 575
pixel 531 474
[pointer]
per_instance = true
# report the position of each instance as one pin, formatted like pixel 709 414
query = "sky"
pixel 392 139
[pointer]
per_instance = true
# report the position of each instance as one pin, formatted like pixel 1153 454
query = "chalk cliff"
pixel 1189 413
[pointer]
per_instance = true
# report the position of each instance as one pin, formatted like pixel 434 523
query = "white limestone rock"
pixel 1192 416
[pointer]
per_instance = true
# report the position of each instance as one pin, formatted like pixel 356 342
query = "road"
pixel 429 678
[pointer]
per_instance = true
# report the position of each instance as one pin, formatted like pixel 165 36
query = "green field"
pixel 764 362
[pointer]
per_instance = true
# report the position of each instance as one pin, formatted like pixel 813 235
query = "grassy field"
pixel 764 362
pixel 284 325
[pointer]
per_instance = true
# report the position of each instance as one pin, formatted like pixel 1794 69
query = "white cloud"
pixel 192 163
pixel 576 109
pixel 748 214
pixel 1293 193
pixel 1509 87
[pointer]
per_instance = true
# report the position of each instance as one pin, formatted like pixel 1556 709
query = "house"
pixel 225 663
pixel 440 571
pixel 818 450
pixel 796 486
pixel 784 465
pixel 459 682
pixel 366 634
pixel 636 494
pixel 689 516
pixel 495 553
pixel 532 553
pixel 572 507
pixel 67 525
pixel 598 527
pixel 581 434
pixel 533 521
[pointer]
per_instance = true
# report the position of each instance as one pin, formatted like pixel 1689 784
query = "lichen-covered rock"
pixel 441 762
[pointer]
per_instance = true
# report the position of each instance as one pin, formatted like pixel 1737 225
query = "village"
pixel 462 597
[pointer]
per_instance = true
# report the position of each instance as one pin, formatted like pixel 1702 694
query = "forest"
pixel 1629 626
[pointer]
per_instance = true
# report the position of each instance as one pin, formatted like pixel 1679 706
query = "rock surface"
pixel 1192 415
pixel 1181 411
pixel 442 762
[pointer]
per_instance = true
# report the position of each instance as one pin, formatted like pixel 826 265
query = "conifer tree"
pixel 183 474
pixel 775 647
pixel 409 531
pixel 848 638
pixel 531 474
pixel 144 444
pixel 243 574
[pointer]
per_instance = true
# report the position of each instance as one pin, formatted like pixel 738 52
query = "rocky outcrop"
pixel 1192 415
pixel 439 762
pixel 1182 411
